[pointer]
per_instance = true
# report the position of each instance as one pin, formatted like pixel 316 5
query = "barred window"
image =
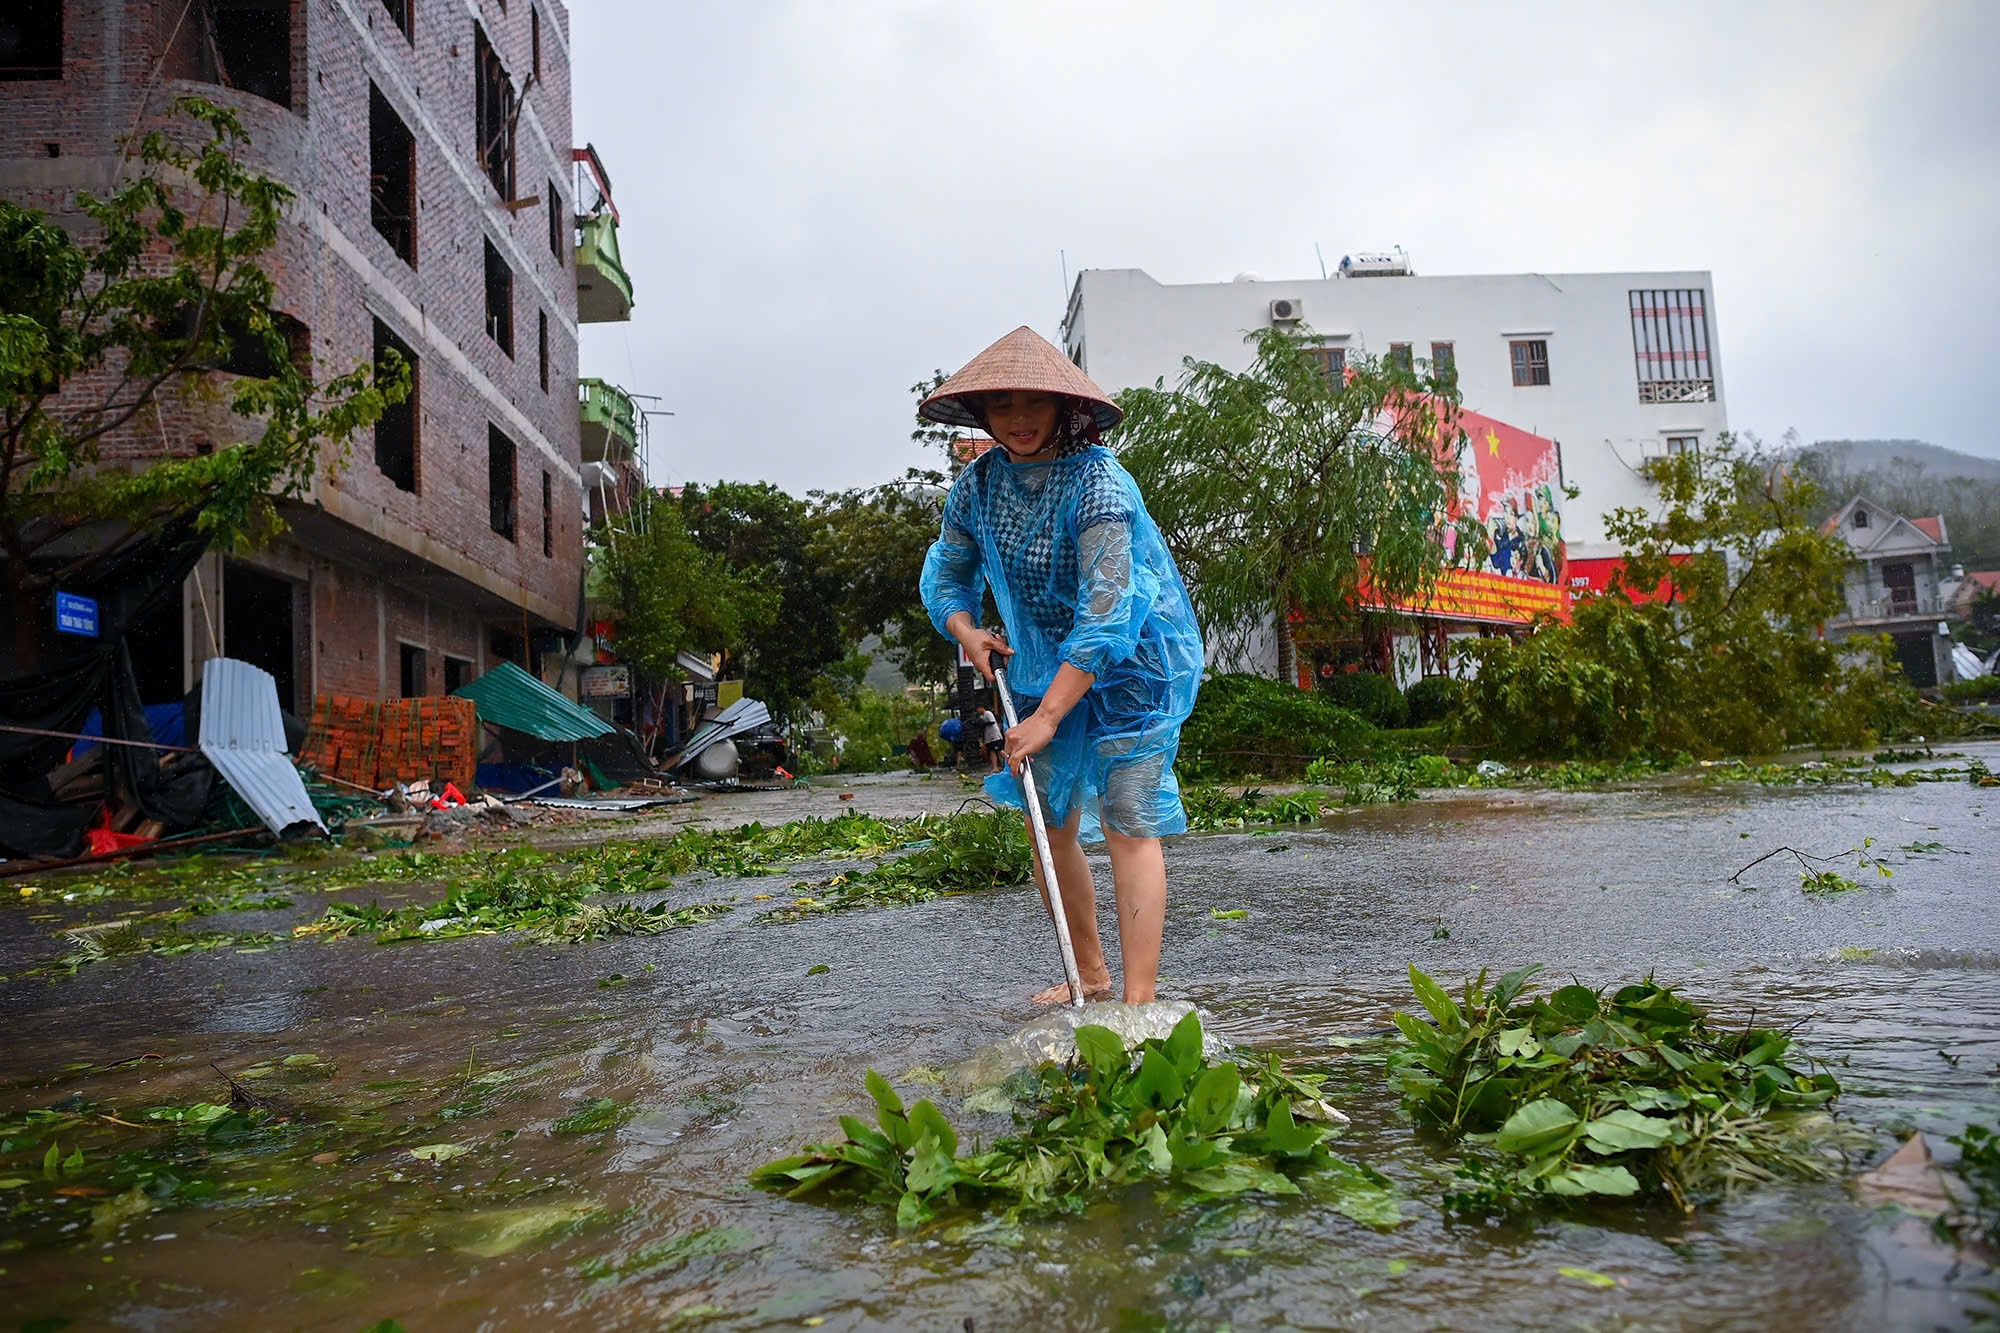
pixel 1332 363
pixel 1670 344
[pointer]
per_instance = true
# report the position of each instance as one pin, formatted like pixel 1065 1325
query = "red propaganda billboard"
pixel 1508 482
pixel 1592 578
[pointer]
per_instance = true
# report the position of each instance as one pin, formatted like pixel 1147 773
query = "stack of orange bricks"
pixel 377 745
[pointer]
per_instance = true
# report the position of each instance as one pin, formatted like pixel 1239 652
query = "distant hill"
pixel 1915 479
pixel 1856 456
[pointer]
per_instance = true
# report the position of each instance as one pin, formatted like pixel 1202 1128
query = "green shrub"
pixel 1374 697
pixel 1433 699
pixel 1248 724
pixel 1968 691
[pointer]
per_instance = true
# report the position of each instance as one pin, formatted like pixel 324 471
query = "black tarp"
pixel 50 681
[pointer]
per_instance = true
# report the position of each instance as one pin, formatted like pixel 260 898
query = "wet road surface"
pixel 732 1051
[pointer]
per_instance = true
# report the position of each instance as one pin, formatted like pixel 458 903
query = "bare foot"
pixel 1059 993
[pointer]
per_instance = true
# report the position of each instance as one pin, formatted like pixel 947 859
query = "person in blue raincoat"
pixel 1102 650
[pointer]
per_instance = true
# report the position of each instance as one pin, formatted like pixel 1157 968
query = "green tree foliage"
pixel 1730 663
pixel 764 536
pixel 929 433
pixel 1246 724
pixel 1433 699
pixel 162 287
pixel 872 543
pixel 1276 488
pixel 1374 697
pixel 668 595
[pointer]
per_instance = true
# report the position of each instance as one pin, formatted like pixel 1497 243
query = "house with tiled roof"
pixel 1894 585
pixel 1972 585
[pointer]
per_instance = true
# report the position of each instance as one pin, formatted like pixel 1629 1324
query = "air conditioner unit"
pixel 1287 310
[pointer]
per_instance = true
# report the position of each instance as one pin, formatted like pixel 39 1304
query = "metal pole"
pixel 1048 862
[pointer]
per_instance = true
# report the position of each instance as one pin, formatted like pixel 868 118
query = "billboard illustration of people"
pixel 1510 482
pixel 1501 524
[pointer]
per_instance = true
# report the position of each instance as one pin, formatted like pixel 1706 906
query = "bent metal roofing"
pixel 509 697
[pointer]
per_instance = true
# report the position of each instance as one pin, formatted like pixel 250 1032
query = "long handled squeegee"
pixel 1047 861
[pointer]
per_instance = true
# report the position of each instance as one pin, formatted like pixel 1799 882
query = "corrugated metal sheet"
pixel 243 735
pixel 741 716
pixel 509 697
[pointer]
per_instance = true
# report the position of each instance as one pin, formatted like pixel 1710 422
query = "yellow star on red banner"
pixel 1492 442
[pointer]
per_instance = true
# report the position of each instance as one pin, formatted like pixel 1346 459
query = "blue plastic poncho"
pixel 1080 575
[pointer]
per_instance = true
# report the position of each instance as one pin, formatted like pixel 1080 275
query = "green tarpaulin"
pixel 509 697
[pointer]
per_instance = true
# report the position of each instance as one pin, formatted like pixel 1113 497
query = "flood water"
pixel 732 1051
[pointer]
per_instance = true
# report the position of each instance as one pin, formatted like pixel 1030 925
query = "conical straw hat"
pixel 1025 361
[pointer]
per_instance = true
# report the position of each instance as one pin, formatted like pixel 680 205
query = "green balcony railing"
pixel 603 288
pixel 609 417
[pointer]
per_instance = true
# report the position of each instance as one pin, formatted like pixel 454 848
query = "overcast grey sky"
pixel 822 201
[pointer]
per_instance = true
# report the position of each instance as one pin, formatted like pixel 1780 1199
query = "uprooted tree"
pixel 1294 486
pixel 1708 640
pixel 160 289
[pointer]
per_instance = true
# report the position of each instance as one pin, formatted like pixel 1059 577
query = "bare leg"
pixel 1139 881
pixel 1079 895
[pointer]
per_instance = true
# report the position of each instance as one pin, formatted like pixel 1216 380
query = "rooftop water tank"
pixel 1376 264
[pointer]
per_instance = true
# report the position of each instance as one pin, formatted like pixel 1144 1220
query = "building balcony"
pixel 610 421
pixel 1677 391
pixel 603 288
pixel 1892 609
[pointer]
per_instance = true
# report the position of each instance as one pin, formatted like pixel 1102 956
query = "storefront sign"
pixel 607 682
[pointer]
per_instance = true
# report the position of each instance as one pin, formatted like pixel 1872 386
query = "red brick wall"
pixel 335 274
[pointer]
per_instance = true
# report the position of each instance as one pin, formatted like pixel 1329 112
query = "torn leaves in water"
pixel 1113 1117
pixel 1583 1093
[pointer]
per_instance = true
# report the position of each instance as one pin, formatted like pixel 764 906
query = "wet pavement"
pixel 732 1047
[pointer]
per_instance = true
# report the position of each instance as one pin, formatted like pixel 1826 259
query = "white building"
pixel 1616 367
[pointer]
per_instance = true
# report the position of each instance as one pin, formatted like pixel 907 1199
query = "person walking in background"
pixel 1102 649
pixel 951 731
pixel 921 757
pixel 990 739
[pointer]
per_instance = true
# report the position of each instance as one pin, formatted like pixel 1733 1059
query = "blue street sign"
pixel 76 615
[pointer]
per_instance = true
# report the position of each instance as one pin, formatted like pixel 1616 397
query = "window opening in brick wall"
pixel 416 671
pixel 234 348
pixel 1444 362
pixel 1399 356
pixel 251 44
pixel 535 40
pixel 403 14
pixel 558 233
pixel 1531 362
pixel 392 177
pixel 31 40
pixel 499 300
pixel 1332 363
pixel 493 115
pixel 548 514
pixel 1670 345
pixel 506 646
pixel 1683 444
pixel 457 673
pixel 396 428
pixel 542 338
pixel 500 482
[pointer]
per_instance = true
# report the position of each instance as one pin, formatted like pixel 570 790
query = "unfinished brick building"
pixel 429 143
